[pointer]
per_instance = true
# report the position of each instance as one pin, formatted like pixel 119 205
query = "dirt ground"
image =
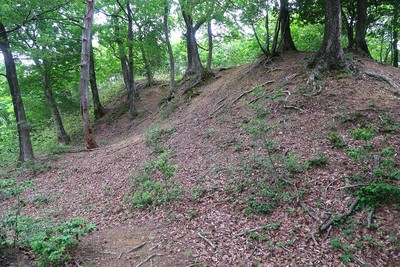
pixel 210 146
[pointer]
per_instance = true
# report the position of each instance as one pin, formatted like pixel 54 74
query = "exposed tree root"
pixel 394 88
pixel 148 259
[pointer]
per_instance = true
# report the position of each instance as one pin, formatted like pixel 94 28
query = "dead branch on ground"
pixel 148 259
pixel 208 241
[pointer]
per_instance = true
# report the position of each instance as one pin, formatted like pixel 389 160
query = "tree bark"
pixel 85 73
pixel 194 64
pixel 330 55
pixel 44 70
pixel 396 7
pixel 132 93
pixel 25 145
pixel 210 46
pixel 170 52
pixel 286 43
pixel 361 27
pixel 267 37
pixel 98 108
pixel 147 65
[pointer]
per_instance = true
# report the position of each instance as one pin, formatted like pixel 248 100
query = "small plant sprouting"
pixel 155 137
pixel 318 161
pixel 365 134
pixel 336 140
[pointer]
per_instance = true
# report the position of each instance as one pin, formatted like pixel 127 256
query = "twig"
pixel 136 247
pixel 148 258
pixel 351 186
pixel 212 113
pixel 328 233
pixel 369 217
pixel 208 241
pixel 220 101
pixel 310 212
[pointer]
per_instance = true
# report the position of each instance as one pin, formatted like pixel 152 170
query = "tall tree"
pixel 97 107
pixel 170 52
pixel 85 73
pixel 361 27
pixel 396 9
pixel 331 55
pixel 283 26
pixel 25 145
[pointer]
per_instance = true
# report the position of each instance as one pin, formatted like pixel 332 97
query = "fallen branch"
pixel 148 259
pixel 369 217
pixel 220 101
pixel 208 241
pixel 394 87
pixel 136 247
pixel 326 225
pixel 215 111
pixel 251 90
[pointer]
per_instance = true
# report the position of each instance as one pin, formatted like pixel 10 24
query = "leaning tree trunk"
pixel 396 6
pixel 44 69
pixel 361 27
pixel 330 55
pixel 85 73
pixel 25 145
pixel 286 43
pixel 132 94
pixel 98 108
pixel 170 52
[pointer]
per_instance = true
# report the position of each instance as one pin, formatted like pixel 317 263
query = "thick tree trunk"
pixel 361 27
pixel 44 69
pixel 396 6
pixel 132 93
pixel 85 73
pixel 286 43
pixel 170 52
pixel 194 64
pixel 210 46
pixel 98 108
pixel 147 65
pixel 25 145
pixel 330 55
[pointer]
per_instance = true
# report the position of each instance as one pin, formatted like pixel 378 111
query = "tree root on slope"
pixel 394 88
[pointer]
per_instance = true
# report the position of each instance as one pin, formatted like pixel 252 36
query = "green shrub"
pixel 155 137
pixel 336 140
pixel 365 134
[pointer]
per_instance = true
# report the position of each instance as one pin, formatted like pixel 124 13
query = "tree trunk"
pixel 44 69
pixel 85 73
pixel 25 145
pixel 98 108
pixel 349 30
pixel 131 79
pixel 330 55
pixel 361 27
pixel 210 46
pixel 170 52
pixel 149 72
pixel 396 7
pixel 286 43
pixel 267 41
pixel 194 64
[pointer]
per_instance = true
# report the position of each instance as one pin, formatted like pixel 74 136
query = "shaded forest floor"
pixel 255 165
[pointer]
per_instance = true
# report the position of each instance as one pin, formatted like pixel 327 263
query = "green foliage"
pixel 151 190
pixel 389 124
pixel 320 160
pixel 378 193
pixel 365 134
pixel 50 241
pixel 347 255
pixel 156 136
pixel 336 140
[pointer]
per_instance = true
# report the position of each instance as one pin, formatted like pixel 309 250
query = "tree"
pixel 361 27
pixel 330 55
pixel 25 145
pixel 283 26
pixel 170 52
pixel 85 73
pixel 98 108
pixel 396 8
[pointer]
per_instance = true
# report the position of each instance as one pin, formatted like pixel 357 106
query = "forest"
pixel 81 78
